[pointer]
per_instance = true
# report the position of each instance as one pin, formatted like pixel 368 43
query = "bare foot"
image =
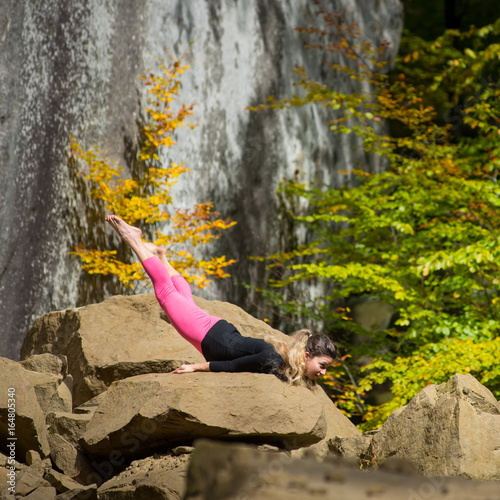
pixel 158 251
pixel 161 253
pixel 128 233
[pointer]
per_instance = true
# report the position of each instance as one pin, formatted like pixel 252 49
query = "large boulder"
pixel 451 429
pixel 228 470
pixel 22 422
pixel 163 410
pixel 124 337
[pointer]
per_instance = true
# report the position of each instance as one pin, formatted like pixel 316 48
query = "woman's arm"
pixel 197 367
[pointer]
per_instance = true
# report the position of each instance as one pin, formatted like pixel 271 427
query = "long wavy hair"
pixel 294 351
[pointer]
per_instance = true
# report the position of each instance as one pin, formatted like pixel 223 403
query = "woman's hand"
pixel 198 367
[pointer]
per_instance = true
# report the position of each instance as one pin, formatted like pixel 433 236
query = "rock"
pixel 148 411
pixel 372 315
pixel 53 393
pixel 452 429
pixel 155 477
pixel 53 390
pixel 42 493
pixel 90 406
pixel 227 470
pixel 337 428
pixel 28 426
pixel 70 426
pixel 100 340
pixel 33 458
pixel 29 479
pixel 36 481
pixel 352 447
pixel 183 450
pixel 46 363
pixel 61 482
pixel 81 493
pixel 7 475
pixel 72 462
pixel 64 397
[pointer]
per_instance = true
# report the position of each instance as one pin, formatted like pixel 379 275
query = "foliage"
pixel 142 199
pixel 429 18
pixel 423 235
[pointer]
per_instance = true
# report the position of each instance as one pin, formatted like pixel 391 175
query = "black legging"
pixel 228 351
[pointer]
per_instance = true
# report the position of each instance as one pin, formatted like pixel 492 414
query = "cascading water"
pixel 71 68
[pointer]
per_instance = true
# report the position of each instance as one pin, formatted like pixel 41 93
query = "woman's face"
pixel 316 366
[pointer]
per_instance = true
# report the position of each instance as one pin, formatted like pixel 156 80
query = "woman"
pixel 305 357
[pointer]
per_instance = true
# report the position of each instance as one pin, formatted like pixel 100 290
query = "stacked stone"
pixel 98 415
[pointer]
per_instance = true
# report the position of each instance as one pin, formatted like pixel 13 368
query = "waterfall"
pixel 72 68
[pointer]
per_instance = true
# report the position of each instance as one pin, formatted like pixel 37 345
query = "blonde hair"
pixel 293 354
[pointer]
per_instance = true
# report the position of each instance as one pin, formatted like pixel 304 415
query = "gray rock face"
pixel 71 68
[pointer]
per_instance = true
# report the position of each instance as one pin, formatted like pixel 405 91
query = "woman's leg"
pixel 181 285
pixel 188 319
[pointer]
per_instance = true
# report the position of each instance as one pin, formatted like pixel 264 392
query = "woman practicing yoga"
pixel 304 357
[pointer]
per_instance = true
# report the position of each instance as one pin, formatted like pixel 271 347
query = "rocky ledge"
pixel 99 416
